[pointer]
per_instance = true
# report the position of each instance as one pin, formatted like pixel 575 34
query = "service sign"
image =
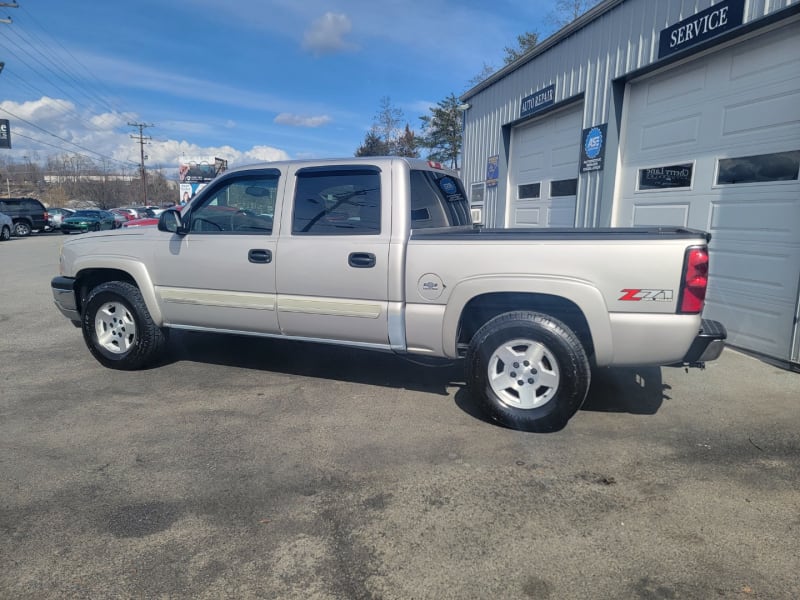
pixel 539 101
pixel 593 148
pixel 711 22
pixel 5 134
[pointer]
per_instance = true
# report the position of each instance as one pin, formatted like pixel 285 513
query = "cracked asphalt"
pixel 249 468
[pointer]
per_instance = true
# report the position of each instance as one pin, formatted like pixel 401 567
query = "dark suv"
pixel 28 214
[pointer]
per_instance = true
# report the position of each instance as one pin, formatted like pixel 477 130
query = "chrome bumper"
pixel 707 345
pixel 64 297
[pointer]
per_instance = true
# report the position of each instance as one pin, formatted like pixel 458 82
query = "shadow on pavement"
pixel 635 390
pixel 321 361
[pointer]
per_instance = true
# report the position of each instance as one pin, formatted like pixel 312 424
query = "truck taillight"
pixel 695 280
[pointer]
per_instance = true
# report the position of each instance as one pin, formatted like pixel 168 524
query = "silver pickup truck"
pixel 381 253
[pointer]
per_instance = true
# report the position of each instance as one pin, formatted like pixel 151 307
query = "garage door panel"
pixel 692 84
pixel 757 115
pixel 778 59
pixel 776 221
pixel 665 135
pixel 661 214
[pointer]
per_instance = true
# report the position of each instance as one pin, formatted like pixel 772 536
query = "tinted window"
pixel 669 176
pixel 564 187
pixel 244 205
pixel 778 166
pixel 437 200
pixel 337 202
pixel 527 191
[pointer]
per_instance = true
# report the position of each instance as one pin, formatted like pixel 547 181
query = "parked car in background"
pixel 130 213
pixel 119 219
pixel 28 214
pixel 88 220
pixel 55 215
pixel 146 221
pixel 6 224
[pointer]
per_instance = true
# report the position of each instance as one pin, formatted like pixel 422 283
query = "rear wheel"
pixel 118 328
pixel 5 233
pixel 22 229
pixel 528 371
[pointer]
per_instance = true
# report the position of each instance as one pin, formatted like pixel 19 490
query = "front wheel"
pixel 118 328
pixel 528 371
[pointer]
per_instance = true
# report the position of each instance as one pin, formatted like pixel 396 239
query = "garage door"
pixel 714 144
pixel 543 170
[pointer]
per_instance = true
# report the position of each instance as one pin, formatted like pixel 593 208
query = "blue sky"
pixel 247 80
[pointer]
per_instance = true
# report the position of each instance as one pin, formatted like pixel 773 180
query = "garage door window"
pixel 666 177
pixel 762 168
pixel 564 187
pixel 526 191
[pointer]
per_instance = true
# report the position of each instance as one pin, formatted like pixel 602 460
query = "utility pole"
pixel 142 139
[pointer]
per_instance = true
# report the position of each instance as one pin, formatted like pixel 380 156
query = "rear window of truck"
pixel 437 200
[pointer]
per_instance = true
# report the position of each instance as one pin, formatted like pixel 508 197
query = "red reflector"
pixel 695 280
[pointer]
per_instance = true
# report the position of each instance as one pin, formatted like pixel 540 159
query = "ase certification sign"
pixel 593 148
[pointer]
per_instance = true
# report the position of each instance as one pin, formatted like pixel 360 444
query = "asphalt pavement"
pixel 253 468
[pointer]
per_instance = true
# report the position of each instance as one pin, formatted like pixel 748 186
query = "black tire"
pixel 96 227
pixel 5 233
pixel 118 328
pixel 22 229
pixel 547 376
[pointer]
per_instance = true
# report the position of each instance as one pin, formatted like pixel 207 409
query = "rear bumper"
pixel 64 297
pixel 707 345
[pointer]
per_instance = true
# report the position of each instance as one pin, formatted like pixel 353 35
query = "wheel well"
pixel 89 279
pixel 482 309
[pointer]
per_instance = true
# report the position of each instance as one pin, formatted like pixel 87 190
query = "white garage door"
pixel 543 171
pixel 714 144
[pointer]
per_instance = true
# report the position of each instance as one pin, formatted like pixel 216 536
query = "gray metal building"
pixel 660 112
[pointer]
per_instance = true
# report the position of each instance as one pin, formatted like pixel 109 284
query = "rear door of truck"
pixel 333 254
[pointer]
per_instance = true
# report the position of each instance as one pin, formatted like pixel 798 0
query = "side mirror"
pixel 170 220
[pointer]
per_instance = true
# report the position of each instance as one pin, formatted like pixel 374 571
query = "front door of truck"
pixel 332 270
pixel 221 274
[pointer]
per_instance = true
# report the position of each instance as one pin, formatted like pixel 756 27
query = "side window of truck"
pixel 245 205
pixel 337 201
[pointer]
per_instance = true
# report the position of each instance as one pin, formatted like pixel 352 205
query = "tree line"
pixel 70 179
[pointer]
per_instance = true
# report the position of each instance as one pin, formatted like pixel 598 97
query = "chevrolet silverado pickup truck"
pixel 381 253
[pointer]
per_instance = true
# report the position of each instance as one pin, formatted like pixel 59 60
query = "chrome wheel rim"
pixel 523 374
pixel 115 328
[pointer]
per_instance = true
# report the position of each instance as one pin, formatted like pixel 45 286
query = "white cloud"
pixel 107 135
pixel 326 34
pixel 300 121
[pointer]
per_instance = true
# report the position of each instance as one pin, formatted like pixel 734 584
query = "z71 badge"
pixel 652 295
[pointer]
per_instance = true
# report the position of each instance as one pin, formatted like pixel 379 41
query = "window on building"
pixel 564 187
pixel 528 191
pixel 762 168
pixel 339 201
pixel 666 177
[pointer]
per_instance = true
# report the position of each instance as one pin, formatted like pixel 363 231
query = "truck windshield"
pixel 437 200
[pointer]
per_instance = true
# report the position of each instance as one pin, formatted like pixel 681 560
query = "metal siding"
pixel 618 41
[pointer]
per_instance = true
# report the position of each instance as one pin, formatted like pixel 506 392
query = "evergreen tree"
pixel 442 132
pixel 373 145
pixel 407 144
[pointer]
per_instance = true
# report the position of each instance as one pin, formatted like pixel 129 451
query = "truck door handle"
pixel 258 255
pixel 361 260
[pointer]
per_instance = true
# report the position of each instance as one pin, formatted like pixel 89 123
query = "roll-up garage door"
pixel 544 170
pixel 714 143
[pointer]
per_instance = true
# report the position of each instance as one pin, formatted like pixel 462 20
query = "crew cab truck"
pixel 380 253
